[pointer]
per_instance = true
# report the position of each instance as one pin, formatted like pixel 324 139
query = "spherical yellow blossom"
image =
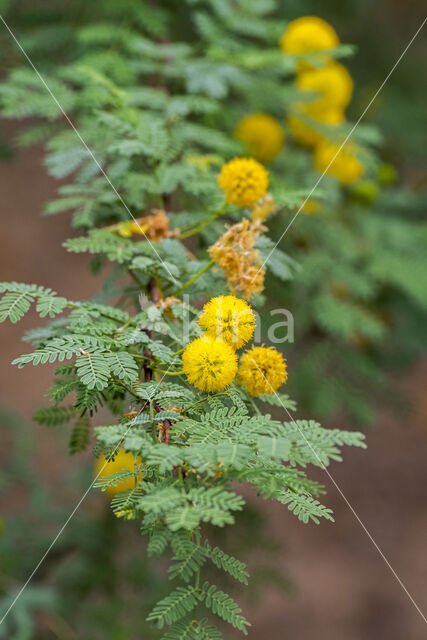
pixel 244 181
pixel 209 364
pixel 262 370
pixel 303 133
pixel 346 167
pixel 123 461
pixel 333 83
pixel 228 318
pixel 308 34
pixel 262 135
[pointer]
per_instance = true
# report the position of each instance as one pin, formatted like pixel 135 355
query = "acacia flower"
pixel 262 135
pixel 240 261
pixel 333 83
pixel 153 226
pixel 262 370
pixel 244 181
pixel 346 167
pixel 123 461
pixel 305 134
pixel 308 33
pixel 209 364
pixel 228 318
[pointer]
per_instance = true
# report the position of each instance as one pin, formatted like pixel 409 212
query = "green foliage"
pixel 174 607
pixel 17 300
pixel 231 565
pixel 53 416
pixel 223 606
pixel 80 434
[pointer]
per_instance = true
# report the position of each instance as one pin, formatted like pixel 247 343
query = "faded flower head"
pixel 262 209
pixel 241 262
pixel 262 370
pixel 154 226
pixel 244 181
pixel 228 318
pixel 209 364
pixel 262 135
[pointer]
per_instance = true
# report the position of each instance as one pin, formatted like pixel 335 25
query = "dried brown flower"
pixel 154 226
pixel 240 261
pixel 263 208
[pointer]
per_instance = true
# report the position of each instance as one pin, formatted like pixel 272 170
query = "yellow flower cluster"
pixel 123 461
pixel 210 362
pixel 262 135
pixel 244 181
pixel 240 261
pixel 332 87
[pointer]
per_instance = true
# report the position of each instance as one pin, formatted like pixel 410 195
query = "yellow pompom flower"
pixel 303 133
pixel 346 167
pixel 262 135
pixel 262 370
pixel 123 461
pixel 228 318
pixel 244 181
pixel 308 34
pixel 333 83
pixel 209 364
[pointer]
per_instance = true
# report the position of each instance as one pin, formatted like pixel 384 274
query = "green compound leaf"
pixel 14 305
pixel 123 366
pixel 221 604
pixel 174 607
pixel 93 370
pixel 305 507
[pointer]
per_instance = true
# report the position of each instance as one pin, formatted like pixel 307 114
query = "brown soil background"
pixel 343 588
